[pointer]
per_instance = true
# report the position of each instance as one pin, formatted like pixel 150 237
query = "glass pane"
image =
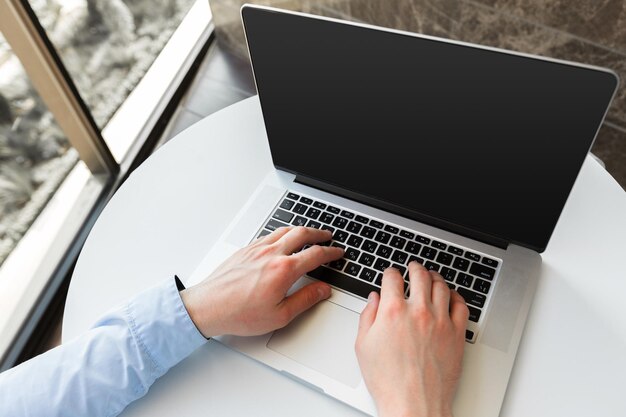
pixel 108 45
pixel 35 156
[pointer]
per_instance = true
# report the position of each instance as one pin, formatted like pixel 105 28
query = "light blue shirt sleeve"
pixel 109 366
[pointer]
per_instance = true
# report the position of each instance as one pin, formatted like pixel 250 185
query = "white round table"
pixel 161 222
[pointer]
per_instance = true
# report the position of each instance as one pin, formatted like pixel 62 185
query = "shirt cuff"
pixel 162 326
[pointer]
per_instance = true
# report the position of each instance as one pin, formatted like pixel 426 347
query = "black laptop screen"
pixel 471 138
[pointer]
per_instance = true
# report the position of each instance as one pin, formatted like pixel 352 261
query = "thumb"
pixel 305 298
pixel 368 315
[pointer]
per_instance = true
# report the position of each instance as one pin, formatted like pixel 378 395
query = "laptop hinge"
pixel 383 205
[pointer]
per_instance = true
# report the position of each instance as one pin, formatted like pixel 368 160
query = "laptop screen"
pixel 470 138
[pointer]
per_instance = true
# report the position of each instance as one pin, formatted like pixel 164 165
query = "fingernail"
pixel 370 297
pixel 324 292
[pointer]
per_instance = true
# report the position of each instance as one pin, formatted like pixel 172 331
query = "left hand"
pixel 247 294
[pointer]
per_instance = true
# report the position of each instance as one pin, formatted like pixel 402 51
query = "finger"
pixel 421 283
pixel 393 285
pixel 459 312
pixel 299 236
pixel 305 298
pixel 314 256
pixel 440 295
pixel 368 315
pixel 275 235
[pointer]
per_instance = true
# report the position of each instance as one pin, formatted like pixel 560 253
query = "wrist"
pixel 412 407
pixel 410 412
pixel 194 311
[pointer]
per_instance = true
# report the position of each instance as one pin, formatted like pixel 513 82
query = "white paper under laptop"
pixel 410 147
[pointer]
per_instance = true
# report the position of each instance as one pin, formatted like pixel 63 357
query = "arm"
pixel 115 362
pixel 426 330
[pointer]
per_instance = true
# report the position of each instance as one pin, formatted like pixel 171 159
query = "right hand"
pixel 410 351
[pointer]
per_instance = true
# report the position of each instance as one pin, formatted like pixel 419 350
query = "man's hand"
pixel 410 351
pixel 247 294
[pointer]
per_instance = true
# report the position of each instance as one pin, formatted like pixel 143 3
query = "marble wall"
pixel 589 31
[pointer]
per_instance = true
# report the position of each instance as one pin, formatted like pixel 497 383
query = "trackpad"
pixel 322 339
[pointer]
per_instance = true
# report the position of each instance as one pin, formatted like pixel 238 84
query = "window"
pixel 82 83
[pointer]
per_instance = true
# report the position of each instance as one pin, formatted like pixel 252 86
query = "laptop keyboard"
pixel 371 246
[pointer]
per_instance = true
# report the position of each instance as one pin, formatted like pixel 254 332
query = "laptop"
pixel 410 147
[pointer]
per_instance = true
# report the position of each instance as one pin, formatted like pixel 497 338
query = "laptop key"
pixel 338 264
pixel 384 251
pixel 326 218
pixel 361 219
pixel 338 245
pixel 333 210
pixel 474 314
pixel 399 257
pixel 347 214
pixel 464 280
pixel 319 205
pixel 379 279
pixel 439 245
pixel 299 208
pixel 376 224
pixel 448 274
pixel 313 213
pixel 367 259
pixel 406 234
pixel 469 335
pixel 472 297
pixel 392 229
pixel 455 250
pixel 299 221
pixel 369 246
pixel 431 266
pixel 397 242
pixel 352 254
pixel 416 259
pixel 287 204
pixel 444 258
pixel 340 236
pixel 368 232
pixel 482 271
pixel 306 200
pixel 327 227
pixel 314 224
pixel 353 269
pixel 413 247
pixel 283 215
pixel 343 281
pixel 381 264
pixel 293 196
pixel 355 241
pixel 264 232
pixel 368 274
pixel 472 256
pixel 460 264
pixel 340 222
pixel 274 224
pixel 428 252
pixel 481 286
pixel 382 237
pixel 422 239
pixel 490 262
pixel 354 227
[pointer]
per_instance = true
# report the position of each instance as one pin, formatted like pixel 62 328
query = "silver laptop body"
pixel 317 349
